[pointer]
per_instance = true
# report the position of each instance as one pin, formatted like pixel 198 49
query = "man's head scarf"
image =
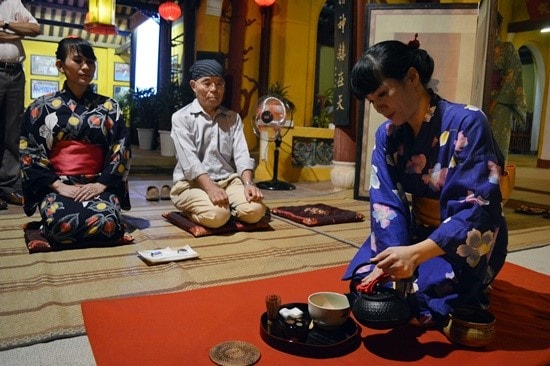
pixel 203 68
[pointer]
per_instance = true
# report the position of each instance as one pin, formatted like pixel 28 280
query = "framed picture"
pixel 43 65
pixel 119 91
pixel 447 32
pixel 122 72
pixel 42 87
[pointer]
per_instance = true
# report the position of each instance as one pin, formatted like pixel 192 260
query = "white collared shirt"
pixel 204 145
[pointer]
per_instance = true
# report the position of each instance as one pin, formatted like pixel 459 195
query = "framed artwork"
pixel 43 65
pixel 447 32
pixel 119 91
pixel 42 87
pixel 122 72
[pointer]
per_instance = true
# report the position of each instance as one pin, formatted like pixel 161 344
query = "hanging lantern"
pixel 263 3
pixel 170 10
pixel 100 18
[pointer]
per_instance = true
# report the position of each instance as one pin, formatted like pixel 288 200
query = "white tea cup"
pixel 328 309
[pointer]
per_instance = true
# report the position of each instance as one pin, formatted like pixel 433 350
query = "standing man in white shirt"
pixel 16 22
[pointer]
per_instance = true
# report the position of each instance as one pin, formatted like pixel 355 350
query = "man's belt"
pixel 11 66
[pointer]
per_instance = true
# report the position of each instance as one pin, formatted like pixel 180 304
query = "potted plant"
pixel 280 91
pixel 323 116
pixel 141 107
pixel 168 100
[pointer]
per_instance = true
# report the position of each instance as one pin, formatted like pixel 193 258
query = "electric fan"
pixel 269 124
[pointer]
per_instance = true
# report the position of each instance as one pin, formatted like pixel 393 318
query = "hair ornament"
pixel 415 43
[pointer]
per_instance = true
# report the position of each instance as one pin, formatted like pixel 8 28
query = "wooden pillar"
pixel 165 53
pixel 235 57
pixel 265 47
pixel 345 137
pixel 189 26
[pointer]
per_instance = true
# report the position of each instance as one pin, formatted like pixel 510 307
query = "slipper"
pixel 526 210
pixel 165 192
pixel 152 194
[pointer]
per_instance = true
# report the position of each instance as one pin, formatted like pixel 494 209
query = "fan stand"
pixel 274 184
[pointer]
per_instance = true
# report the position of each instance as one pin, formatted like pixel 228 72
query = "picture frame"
pixel 119 91
pixel 43 87
pixel 43 65
pixel 122 72
pixel 447 32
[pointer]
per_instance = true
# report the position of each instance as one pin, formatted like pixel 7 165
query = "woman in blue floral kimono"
pixel 75 153
pixel 451 239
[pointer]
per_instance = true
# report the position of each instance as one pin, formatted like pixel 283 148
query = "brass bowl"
pixel 471 327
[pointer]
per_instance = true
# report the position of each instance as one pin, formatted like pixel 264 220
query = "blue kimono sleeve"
pixel 389 210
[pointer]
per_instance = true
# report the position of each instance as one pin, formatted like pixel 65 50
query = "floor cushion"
pixel 179 219
pixel 36 242
pixel 317 214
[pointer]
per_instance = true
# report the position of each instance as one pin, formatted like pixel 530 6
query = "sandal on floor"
pixel 165 192
pixel 152 194
pixel 526 210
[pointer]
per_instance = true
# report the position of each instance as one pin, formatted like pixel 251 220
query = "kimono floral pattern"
pixel 451 160
pixel 477 245
pixel 61 118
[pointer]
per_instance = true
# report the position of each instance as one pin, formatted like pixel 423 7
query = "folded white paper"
pixel 168 254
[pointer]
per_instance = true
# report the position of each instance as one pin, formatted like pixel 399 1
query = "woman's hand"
pixel 79 193
pixel 67 190
pixel 400 262
pixel 88 191
pixel 376 272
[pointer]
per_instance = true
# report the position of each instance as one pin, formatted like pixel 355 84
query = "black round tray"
pixel 319 343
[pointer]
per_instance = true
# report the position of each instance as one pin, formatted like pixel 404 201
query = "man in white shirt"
pixel 16 22
pixel 213 177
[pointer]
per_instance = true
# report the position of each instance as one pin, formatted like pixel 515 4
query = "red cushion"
pixel 317 214
pixel 180 220
pixel 36 242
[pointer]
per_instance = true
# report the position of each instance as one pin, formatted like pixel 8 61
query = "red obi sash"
pixel 77 158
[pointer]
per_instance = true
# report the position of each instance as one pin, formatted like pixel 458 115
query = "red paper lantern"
pixel 265 2
pixel 169 11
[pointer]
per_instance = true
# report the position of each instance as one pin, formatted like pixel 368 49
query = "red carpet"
pixel 180 328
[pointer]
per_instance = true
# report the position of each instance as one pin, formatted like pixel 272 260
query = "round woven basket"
pixel 471 327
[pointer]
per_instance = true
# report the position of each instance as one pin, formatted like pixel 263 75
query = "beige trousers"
pixel 189 198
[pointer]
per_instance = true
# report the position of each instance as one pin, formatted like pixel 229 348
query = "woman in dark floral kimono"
pixel 450 240
pixel 75 157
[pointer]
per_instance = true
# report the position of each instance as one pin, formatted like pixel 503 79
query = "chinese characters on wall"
pixel 343 33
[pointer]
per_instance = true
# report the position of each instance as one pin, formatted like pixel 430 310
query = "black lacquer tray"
pixel 318 343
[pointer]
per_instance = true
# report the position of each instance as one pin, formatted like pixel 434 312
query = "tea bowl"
pixel 471 327
pixel 328 309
